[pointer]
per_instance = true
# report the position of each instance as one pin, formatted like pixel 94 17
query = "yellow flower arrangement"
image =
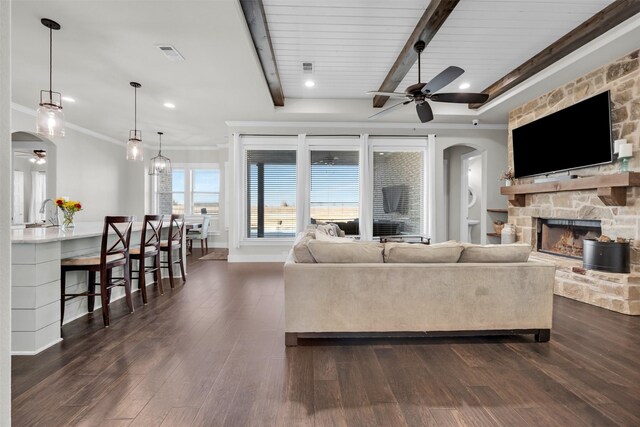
pixel 68 208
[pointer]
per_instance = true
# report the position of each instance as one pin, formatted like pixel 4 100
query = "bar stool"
pixel 150 241
pixel 173 242
pixel 111 256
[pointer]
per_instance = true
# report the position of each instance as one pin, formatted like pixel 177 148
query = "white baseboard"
pixel 36 351
pixel 257 258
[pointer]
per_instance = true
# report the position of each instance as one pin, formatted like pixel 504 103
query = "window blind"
pixel 271 190
pixel 335 188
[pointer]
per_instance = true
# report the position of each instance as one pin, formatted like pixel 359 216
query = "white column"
pixel 366 189
pixel 303 163
pixel 5 213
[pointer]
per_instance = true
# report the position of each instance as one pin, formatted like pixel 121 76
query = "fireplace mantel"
pixel 611 189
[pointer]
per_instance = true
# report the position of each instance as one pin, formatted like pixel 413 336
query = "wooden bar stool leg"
pixel 156 265
pixel 170 265
pixel 104 296
pixel 63 286
pixel 184 277
pixel 206 244
pixel 202 246
pixel 127 286
pixel 91 299
pixel 142 279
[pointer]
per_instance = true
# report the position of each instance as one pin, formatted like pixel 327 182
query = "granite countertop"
pixel 56 234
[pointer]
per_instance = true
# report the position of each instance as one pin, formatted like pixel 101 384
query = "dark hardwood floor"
pixel 212 353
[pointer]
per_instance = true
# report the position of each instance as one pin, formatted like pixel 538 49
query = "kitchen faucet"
pixel 51 217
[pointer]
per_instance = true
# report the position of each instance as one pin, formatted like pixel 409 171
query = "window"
pixel 335 189
pixel 271 191
pixel 398 188
pixel 205 191
pixel 189 190
pixel 177 191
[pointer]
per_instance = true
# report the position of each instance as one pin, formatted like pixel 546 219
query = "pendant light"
pixel 49 118
pixel 134 145
pixel 160 165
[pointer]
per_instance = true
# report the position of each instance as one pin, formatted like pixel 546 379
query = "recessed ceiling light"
pixel 68 99
pixel 464 85
pixel 169 105
pixel 309 83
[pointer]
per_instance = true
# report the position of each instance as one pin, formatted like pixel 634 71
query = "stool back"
pixel 121 226
pixel 176 230
pixel 151 231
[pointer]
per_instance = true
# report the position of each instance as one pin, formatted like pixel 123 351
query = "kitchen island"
pixel 35 281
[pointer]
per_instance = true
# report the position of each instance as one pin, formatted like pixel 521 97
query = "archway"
pixel 34 176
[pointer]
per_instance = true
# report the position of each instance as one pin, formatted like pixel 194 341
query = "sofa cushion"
pixel 300 248
pixel 516 252
pixel 417 253
pixel 352 252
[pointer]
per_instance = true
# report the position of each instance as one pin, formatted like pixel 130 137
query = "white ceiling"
pixel 103 45
pixel 353 44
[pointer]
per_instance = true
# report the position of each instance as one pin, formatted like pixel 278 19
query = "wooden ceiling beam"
pixel 257 22
pixel 432 19
pixel 612 15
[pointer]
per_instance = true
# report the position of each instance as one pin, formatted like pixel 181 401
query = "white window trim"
pixel 283 143
pixel 304 144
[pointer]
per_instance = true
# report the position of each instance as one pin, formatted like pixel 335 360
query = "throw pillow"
pixel 517 252
pixel 417 253
pixel 327 238
pixel 341 253
pixel 328 229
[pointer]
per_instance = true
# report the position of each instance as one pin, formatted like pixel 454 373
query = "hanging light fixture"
pixel 160 165
pixel 50 119
pixel 134 145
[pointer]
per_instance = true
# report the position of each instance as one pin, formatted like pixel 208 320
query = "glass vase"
pixel 67 220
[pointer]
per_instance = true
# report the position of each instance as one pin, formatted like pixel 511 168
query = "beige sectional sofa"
pixel 365 289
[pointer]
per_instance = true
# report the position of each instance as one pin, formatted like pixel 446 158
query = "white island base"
pixel 35 282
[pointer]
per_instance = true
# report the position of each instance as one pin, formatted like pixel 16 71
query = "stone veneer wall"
pixel 619 292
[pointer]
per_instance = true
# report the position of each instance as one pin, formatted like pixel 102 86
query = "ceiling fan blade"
pixel 392 94
pixel 424 112
pixel 462 98
pixel 383 112
pixel 444 78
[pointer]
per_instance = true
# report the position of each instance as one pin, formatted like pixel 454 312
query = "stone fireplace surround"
pixel 617 292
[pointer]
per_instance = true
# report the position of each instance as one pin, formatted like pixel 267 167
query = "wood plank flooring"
pixel 211 353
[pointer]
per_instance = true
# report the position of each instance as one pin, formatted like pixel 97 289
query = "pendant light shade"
pixel 49 117
pixel 160 165
pixel 134 145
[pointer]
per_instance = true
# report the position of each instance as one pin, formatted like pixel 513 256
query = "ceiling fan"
pixel 421 92
pixel 36 156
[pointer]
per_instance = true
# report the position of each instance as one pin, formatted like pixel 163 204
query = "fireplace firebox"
pixel 565 237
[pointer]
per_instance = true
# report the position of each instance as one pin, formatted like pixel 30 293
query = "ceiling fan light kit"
pixel 49 117
pixel 134 145
pixel 420 92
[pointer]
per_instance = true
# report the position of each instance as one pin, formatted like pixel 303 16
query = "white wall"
pixel 93 171
pixel 494 143
pixel 5 213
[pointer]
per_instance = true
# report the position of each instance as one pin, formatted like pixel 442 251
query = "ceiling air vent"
pixel 170 52
pixel 307 68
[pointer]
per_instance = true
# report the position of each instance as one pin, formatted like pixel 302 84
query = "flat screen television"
pixel 575 137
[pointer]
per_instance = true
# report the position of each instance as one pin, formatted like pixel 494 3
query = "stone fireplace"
pixel 564 237
pixel 615 291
